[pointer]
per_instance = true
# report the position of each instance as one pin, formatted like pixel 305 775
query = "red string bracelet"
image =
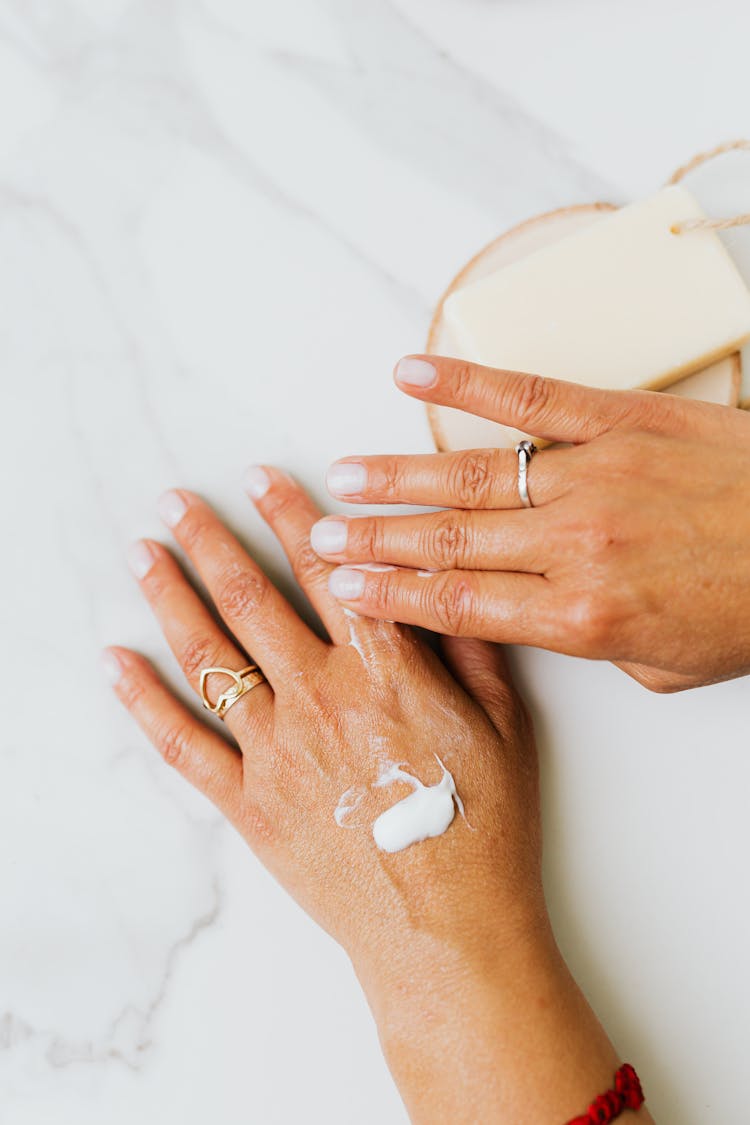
pixel 627 1094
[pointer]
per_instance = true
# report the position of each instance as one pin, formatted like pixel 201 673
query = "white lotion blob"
pixel 428 811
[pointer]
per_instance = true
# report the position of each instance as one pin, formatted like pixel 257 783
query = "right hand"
pixel 637 549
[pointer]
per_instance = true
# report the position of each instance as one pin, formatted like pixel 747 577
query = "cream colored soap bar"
pixel 624 303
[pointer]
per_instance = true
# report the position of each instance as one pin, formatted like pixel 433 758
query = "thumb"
pixel 482 670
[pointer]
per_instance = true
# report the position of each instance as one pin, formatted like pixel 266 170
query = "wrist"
pixel 429 980
pixel 415 972
pixel 501 1033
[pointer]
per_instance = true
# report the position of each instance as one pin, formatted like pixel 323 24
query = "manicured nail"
pixel 256 481
pixel 346 479
pixel 328 537
pixel 112 666
pixel 347 584
pixel 171 508
pixel 416 372
pixel 140 559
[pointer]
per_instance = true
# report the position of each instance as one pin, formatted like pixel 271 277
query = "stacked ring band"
pixel 242 682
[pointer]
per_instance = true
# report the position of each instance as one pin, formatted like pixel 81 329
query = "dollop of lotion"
pixel 427 811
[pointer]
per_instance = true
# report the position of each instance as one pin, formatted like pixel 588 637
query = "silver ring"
pixel 525 451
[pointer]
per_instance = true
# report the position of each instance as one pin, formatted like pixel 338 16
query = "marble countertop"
pixel 221 222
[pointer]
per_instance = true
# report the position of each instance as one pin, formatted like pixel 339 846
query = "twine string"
pixel 702 158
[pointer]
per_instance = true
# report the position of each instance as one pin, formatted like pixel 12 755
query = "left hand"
pixel 637 549
pixel 450 937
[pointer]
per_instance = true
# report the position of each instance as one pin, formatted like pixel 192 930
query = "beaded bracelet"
pixel 627 1094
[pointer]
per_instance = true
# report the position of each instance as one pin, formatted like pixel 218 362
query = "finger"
pixel 479 666
pixel 551 409
pixel 193 635
pixel 511 608
pixel 473 478
pixel 253 609
pixel 482 670
pixel 290 513
pixel 446 540
pixel 202 757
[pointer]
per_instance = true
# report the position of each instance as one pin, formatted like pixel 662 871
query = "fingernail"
pixel 346 479
pixel 171 508
pixel 328 537
pixel 112 666
pixel 416 372
pixel 256 482
pixel 140 559
pixel 346 583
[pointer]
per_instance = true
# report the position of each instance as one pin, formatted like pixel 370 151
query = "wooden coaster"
pixel 452 429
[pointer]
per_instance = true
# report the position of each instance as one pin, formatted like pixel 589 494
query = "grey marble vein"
pixel 128 1037
pixel 461 131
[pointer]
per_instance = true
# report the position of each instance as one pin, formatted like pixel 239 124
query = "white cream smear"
pixel 349 802
pixel 428 810
pixel 367 634
pixel 354 639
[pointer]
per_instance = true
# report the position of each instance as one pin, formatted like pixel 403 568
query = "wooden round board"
pixel 453 429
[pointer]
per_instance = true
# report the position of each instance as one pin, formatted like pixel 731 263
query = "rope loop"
pixel 703 158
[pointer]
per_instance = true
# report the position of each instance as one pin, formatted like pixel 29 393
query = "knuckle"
pixel 157 584
pixel 369 537
pixel 382 591
pixel 307 564
pixel 595 619
pixel 173 743
pixel 528 398
pixel 470 477
pixel 240 594
pixel 445 541
pixel 197 653
pixel 463 379
pixel 131 691
pixel 279 501
pixel 394 477
pixel 194 531
pixel 450 602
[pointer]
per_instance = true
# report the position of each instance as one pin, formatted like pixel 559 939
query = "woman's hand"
pixel 637 549
pixel 450 936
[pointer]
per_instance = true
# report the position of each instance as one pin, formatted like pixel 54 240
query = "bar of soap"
pixel 621 304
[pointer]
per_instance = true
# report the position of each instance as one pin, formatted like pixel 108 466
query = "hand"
pixel 637 549
pixel 450 934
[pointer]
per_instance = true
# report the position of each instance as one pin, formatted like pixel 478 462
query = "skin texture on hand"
pixel 450 937
pixel 637 549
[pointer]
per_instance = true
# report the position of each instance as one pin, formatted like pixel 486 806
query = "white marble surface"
pixel 220 223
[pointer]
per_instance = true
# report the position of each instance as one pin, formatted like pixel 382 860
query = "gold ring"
pixel 243 681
